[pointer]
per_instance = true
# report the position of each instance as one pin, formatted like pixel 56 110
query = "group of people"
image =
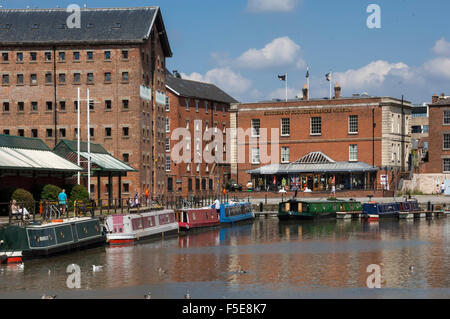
pixel 440 190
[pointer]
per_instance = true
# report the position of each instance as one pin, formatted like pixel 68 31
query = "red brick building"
pixel 439 137
pixel 118 54
pixel 345 131
pixel 198 107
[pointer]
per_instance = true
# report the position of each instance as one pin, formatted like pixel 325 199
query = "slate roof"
pixel 108 25
pixel 26 143
pixel 194 89
pixel 441 102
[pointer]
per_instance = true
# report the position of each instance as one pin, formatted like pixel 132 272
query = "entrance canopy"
pixel 102 163
pixel 31 154
pixel 315 162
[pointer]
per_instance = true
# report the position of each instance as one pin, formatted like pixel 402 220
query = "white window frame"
pixel 256 156
pixel 444 141
pixel 351 125
pixel 168 162
pixel 167 125
pixel 286 125
pixel 167 104
pixel 443 165
pixel 256 130
pixel 446 117
pixel 353 153
pixel 167 145
pixel 285 154
pixel 311 126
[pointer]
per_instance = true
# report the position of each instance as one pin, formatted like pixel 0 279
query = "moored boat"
pixel 375 211
pixel 236 212
pixel 129 228
pixel 21 242
pixel 296 209
pixel 192 218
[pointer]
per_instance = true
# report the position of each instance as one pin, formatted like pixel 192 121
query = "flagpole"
pixel 286 87
pixel 78 135
pixel 89 143
pixel 307 82
pixel 331 80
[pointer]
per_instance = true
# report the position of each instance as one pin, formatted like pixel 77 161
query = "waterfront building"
pixel 362 138
pixel 118 54
pixel 198 107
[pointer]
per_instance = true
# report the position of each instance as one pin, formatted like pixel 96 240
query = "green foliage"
pixel 79 192
pixel 23 198
pixel 50 193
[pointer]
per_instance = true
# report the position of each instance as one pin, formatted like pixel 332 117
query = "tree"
pixel 79 192
pixel 50 193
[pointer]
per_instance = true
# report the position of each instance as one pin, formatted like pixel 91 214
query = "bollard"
pixel 261 207
pixel 429 206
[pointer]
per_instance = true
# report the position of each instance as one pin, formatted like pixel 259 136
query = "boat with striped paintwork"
pixel 126 229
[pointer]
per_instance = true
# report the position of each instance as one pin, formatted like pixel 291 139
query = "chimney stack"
pixel 337 91
pixel 435 98
pixel 305 93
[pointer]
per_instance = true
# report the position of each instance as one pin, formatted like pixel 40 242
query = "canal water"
pixel 265 258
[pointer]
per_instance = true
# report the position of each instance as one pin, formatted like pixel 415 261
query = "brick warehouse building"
pixel 320 132
pixel 188 102
pixel 118 54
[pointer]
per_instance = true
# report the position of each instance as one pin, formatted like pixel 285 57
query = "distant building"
pixel 118 54
pixel 355 139
pixel 198 107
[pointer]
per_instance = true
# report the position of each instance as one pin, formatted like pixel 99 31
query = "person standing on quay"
pixel 62 197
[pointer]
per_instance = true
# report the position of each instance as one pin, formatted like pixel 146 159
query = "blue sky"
pixel 242 45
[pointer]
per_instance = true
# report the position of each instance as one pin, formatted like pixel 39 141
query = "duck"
pixel 148 295
pixel 48 297
pixel 96 268
pixel 241 271
pixel 411 268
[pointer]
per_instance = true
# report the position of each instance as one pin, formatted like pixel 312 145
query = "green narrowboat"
pixel 295 209
pixel 18 243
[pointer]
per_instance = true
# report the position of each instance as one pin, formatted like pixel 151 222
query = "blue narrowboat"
pixel 374 211
pixel 236 212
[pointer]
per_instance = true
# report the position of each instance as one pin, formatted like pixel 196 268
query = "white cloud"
pixel 271 5
pixel 442 47
pixel 281 93
pixel 439 67
pixel 372 75
pixel 225 78
pixel 280 52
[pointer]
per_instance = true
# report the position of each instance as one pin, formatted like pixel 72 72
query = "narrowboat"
pixel 235 212
pixel 410 206
pixel 127 229
pixel 192 218
pixel 375 211
pixel 295 209
pixel 40 239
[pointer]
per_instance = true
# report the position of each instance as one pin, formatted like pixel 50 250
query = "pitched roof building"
pixel 118 54
pixel 200 108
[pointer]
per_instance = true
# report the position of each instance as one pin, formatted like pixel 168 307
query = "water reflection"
pixel 283 257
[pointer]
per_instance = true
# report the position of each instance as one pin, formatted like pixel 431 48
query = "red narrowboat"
pixel 192 218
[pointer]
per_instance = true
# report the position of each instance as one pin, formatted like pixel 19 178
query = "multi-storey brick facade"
pixel 341 128
pixel 439 137
pixel 117 54
pixel 198 107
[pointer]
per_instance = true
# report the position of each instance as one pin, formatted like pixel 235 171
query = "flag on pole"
pixel 307 73
pixel 282 77
pixel 328 76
